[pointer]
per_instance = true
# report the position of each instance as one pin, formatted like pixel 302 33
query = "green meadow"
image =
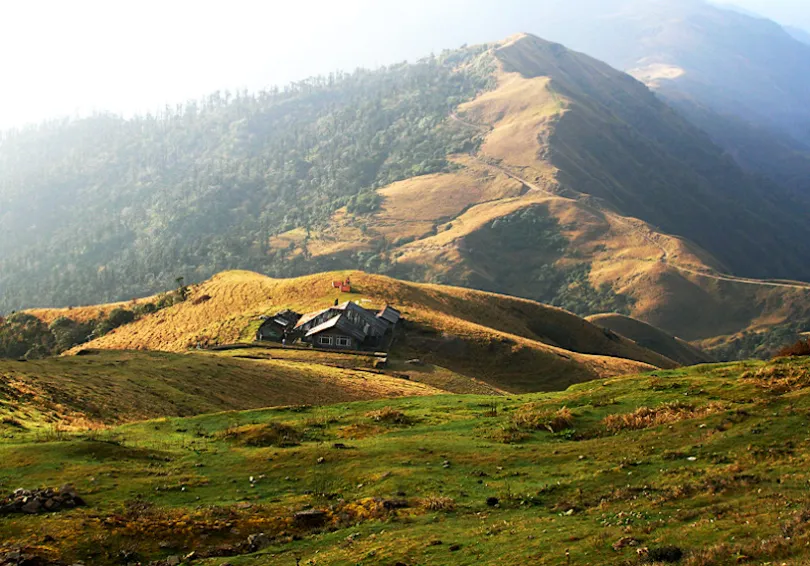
pixel 704 465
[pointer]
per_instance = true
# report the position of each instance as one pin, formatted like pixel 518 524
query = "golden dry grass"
pixel 114 387
pixel 646 417
pixel 532 416
pixel 521 112
pixel 779 378
pixel 509 343
pixel 85 313
pixel 411 208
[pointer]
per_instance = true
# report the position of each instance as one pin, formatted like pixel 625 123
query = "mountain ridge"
pixel 552 176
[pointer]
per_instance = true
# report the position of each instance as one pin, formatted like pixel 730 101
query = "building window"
pixel 345 342
pixel 325 340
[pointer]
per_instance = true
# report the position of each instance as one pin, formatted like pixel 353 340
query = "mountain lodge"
pixel 346 326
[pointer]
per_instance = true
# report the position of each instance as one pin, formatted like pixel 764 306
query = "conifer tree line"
pixel 106 208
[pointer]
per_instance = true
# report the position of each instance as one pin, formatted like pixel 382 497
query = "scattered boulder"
pixel 392 504
pixel 18 558
pixel 311 518
pixel 258 541
pixel 625 542
pixel 33 506
pixel 492 501
pixel 666 554
pixel 36 501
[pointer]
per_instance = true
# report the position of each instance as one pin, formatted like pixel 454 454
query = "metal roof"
pixel 390 314
pixel 309 316
pixel 340 323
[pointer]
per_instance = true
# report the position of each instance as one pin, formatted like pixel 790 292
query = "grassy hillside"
pixel 652 338
pixel 699 466
pixel 511 344
pixel 107 387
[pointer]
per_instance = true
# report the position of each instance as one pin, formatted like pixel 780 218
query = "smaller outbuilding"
pixel 390 315
pixel 277 327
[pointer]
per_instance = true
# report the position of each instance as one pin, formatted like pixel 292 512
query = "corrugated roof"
pixel 390 314
pixel 307 317
pixel 340 323
pixel 331 323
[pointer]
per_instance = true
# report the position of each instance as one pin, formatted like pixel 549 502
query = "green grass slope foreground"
pixel 699 466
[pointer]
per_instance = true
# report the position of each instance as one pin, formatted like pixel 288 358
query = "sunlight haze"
pixel 67 59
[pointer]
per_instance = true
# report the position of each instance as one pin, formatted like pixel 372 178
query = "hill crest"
pixel 510 343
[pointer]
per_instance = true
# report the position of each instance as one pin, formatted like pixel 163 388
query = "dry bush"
pixel 797 350
pixel 388 415
pixel 271 434
pixel 531 417
pixel 645 417
pixel 437 503
pixel 780 378
pixel 508 433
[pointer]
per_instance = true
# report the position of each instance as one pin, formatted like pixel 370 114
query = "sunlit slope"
pixel 85 313
pixel 653 338
pixel 674 284
pixel 514 344
pixel 594 150
pixel 616 141
pixel 115 387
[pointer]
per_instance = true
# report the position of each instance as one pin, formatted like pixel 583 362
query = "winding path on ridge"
pixel 665 255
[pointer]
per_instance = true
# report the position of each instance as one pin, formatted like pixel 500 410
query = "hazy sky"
pixel 789 12
pixel 63 57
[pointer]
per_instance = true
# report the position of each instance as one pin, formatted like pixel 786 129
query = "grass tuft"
pixel 437 503
pixel 390 416
pixel 780 378
pixel 531 417
pixel 645 417
pixel 262 435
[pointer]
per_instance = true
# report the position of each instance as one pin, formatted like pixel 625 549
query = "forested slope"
pixel 106 208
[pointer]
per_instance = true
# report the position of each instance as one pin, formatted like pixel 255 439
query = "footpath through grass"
pixel 706 465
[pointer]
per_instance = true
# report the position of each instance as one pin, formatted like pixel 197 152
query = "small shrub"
pixel 271 434
pixel 779 378
pixel 437 503
pixel 360 430
pixel 799 349
pixel 528 417
pixel 645 417
pixel 388 415
pixel 508 434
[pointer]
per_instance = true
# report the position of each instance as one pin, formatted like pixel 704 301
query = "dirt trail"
pixel 665 254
